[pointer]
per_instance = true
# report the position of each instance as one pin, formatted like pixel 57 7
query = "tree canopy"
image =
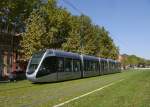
pixel 50 26
pixel 133 60
pixel 15 12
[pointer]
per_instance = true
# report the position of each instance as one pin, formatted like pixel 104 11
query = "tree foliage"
pixel 51 26
pixel 134 60
pixel 33 39
pixel 15 12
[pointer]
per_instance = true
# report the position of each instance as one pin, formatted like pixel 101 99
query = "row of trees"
pixel 50 26
pixel 133 60
pixel 47 25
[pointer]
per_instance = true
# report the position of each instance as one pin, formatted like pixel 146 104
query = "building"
pixel 120 58
pixel 10 57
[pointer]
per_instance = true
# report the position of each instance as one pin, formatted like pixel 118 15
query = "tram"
pixel 55 65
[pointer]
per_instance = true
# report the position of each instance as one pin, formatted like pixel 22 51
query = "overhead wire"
pixel 80 12
pixel 72 6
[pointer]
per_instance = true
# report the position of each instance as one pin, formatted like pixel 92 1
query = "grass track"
pixel 134 91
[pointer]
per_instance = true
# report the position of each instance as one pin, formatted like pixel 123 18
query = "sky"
pixel 128 21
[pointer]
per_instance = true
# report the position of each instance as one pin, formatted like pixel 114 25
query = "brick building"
pixel 10 57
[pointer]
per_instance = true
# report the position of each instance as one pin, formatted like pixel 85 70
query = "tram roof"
pixel 103 59
pixel 60 53
pixel 86 57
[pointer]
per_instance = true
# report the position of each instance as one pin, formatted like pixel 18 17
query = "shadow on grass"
pixel 69 80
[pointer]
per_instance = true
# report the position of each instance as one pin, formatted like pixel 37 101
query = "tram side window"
pixel 88 65
pixel 93 66
pixel 113 66
pixel 85 65
pixel 60 65
pixel 68 65
pixel 50 64
pixel 102 65
pixel 110 66
pixel 105 66
pixel 76 65
pixel 97 66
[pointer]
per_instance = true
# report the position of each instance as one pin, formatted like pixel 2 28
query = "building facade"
pixel 10 57
pixel 7 54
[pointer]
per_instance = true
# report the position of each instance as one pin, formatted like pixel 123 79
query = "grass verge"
pixel 134 91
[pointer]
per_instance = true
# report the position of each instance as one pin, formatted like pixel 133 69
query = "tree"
pixel 133 60
pixel 16 12
pixel 73 40
pixel 81 37
pixel 35 33
pixel 87 36
pixel 46 27
pixel 57 28
pixel 107 48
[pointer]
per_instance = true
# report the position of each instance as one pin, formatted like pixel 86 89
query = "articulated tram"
pixel 55 65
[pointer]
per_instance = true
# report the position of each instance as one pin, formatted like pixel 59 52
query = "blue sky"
pixel 128 21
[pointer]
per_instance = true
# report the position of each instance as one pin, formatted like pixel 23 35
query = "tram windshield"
pixel 35 60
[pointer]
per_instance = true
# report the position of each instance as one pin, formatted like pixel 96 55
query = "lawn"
pixel 133 91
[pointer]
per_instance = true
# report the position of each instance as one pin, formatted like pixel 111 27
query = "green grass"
pixel 134 91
